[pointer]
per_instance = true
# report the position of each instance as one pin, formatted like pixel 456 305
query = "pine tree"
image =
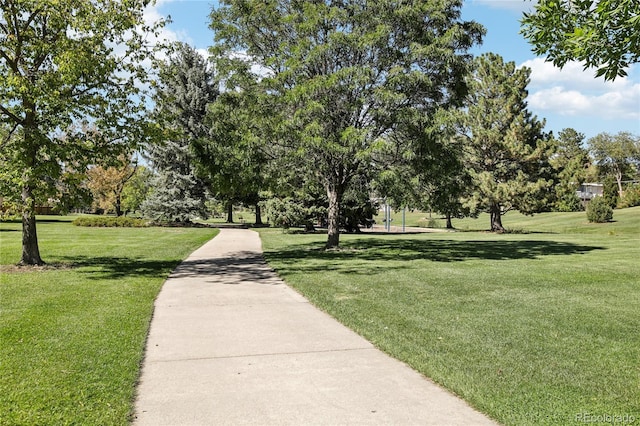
pixel 186 86
pixel 506 150
pixel 571 162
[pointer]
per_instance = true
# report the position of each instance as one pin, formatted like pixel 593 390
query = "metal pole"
pixel 388 221
pixel 386 217
pixel 404 209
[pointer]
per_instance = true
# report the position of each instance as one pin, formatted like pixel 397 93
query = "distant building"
pixel 588 191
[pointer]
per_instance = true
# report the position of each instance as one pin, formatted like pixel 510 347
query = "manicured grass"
pixel 536 327
pixel 72 334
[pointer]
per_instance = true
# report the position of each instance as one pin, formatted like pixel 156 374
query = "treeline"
pixel 315 108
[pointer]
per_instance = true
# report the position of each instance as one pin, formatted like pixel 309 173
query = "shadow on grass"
pixel 250 266
pixel 120 267
pixel 244 266
pixel 297 257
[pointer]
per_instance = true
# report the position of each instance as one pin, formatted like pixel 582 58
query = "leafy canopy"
pixel 65 65
pixel 604 34
pixel 340 75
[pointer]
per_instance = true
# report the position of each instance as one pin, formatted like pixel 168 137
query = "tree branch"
pixel 17 120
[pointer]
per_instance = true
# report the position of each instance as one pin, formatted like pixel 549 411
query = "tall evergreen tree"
pixel 571 162
pixel 185 88
pixel 507 151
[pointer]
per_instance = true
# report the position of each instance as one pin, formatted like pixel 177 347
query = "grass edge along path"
pixel 530 328
pixel 72 334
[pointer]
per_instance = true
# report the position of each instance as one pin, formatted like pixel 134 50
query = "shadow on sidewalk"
pixel 242 266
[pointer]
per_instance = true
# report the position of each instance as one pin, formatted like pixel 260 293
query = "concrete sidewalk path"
pixel 230 344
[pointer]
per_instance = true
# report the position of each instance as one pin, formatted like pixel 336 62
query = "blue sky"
pixel 565 98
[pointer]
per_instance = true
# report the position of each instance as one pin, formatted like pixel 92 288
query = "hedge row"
pixel 111 222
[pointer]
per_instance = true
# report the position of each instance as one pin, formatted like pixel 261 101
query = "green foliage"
pixel 110 222
pixel 604 34
pixel 616 156
pixel 506 152
pixel 184 91
pixel 599 210
pixel 357 209
pixel 287 212
pixel 232 157
pixel 336 78
pixel 630 197
pixel 568 202
pixel 65 64
pixel 136 189
pixel 570 162
pixel 610 191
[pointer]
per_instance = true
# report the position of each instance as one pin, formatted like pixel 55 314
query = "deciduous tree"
pixel 340 75
pixel 136 190
pixel 233 156
pixel 107 183
pixel 600 33
pixel 616 155
pixel 61 62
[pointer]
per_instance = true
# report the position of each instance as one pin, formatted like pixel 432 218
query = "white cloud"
pixel 572 91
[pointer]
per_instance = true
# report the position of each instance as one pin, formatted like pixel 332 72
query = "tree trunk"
pixel 619 182
pixel 258 214
pixel 230 212
pixel 496 218
pixel 118 205
pixel 449 224
pixel 30 250
pixel 333 216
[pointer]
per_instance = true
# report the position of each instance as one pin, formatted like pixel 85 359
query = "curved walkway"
pixel 230 343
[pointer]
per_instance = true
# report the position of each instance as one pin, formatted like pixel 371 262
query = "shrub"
pixel 599 210
pixel 287 213
pixel 110 222
pixel 429 223
pixel 568 203
pixel 630 197
pixel 611 191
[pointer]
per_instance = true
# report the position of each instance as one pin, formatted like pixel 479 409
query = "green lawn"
pixel 535 327
pixel 72 334
pixel 541 326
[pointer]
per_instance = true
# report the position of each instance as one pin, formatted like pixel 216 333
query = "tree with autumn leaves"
pixel 115 186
